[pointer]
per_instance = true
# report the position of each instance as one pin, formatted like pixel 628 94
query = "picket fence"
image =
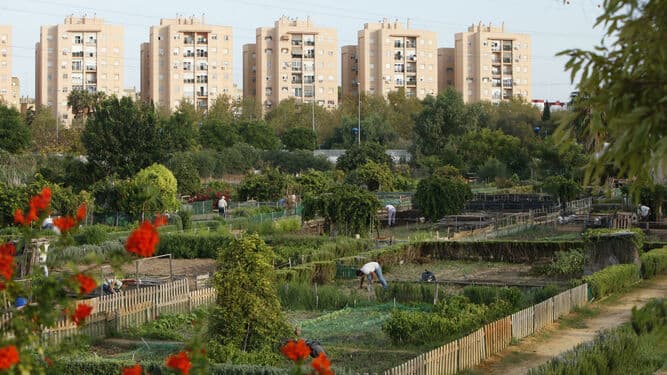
pixel 120 311
pixel 470 351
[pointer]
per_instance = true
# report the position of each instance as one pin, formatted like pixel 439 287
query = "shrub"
pixel 91 235
pixel 566 263
pixel 105 251
pixel 287 225
pixel 192 245
pixel 406 293
pixel 654 262
pixel 612 279
pixel 653 315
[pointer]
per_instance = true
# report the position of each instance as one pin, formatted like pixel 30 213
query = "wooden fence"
pixel 123 310
pixel 470 351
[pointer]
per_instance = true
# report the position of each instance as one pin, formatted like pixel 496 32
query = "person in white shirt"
pixel 368 270
pixel 222 206
pixel 391 214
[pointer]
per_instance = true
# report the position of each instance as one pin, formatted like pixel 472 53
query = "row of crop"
pixel 105 366
pixel 635 349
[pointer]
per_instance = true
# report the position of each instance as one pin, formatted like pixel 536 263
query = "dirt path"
pixel 536 350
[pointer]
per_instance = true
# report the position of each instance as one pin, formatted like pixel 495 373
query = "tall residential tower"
pixel 186 59
pixel 390 57
pixel 492 65
pixel 81 54
pixel 9 86
pixel 294 59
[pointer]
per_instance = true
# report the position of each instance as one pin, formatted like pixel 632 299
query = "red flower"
pixel 134 370
pixel 81 313
pixel 41 201
pixel 179 362
pixel 64 223
pixel 160 220
pixel 9 356
pixel 48 361
pixel 86 283
pixel 8 249
pixel 81 212
pixel 295 350
pixel 18 217
pixel 6 266
pixel 321 364
pixel 142 241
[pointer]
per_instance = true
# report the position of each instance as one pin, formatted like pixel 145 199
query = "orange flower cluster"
pixel 322 365
pixel 295 350
pixel 134 370
pixel 65 223
pixel 7 252
pixel 142 241
pixel 81 313
pixel 179 362
pixel 86 283
pixel 38 204
pixel 9 356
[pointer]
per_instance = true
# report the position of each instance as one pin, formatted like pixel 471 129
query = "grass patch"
pixel 577 319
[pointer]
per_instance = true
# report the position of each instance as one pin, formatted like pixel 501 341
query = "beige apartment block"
pixel 81 54
pixel 492 64
pixel 186 59
pixel 446 68
pixel 250 70
pixel 9 86
pixel 392 56
pixel 349 70
pixel 295 59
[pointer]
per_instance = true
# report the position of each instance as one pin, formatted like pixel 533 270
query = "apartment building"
pixel 81 54
pixel 491 64
pixel 391 56
pixel 349 70
pixel 249 70
pixel 186 59
pixel 9 86
pixel 446 68
pixel 295 59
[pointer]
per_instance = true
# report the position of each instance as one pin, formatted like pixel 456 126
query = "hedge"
pixel 192 245
pixel 612 279
pixel 104 366
pixel 498 251
pixel 315 272
pixel 654 262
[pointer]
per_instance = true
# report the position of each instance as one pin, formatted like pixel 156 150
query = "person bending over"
pixel 368 270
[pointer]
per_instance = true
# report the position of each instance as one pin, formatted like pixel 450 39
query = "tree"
pixel 259 135
pixel 180 131
pixel 561 188
pixel 346 209
pixel 622 89
pixel 441 117
pixel 157 187
pixel 402 111
pixel 374 176
pixel 546 113
pixel 122 136
pixel 268 186
pixel 299 139
pixel 83 103
pixel 442 194
pixel 313 182
pixel 14 135
pixel 184 169
pixel 247 316
pixel 357 156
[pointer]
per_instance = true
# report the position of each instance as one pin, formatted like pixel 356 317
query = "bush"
pixel 192 245
pixel 105 251
pixel 567 263
pixel 612 279
pixel 91 235
pixel 653 315
pixel 406 293
pixel 303 296
pixel 653 262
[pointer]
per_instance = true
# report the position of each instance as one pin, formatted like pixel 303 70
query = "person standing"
pixel 222 207
pixel 368 270
pixel 391 214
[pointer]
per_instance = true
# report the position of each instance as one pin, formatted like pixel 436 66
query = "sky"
pixel 553 26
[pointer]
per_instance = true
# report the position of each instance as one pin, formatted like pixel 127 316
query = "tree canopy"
pixel 14 134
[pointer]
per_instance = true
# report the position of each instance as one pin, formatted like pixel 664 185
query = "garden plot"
pixel 473 272
pixel 189 268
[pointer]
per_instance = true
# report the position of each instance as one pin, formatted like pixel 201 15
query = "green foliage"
pixel 105 251
pixel 406 293
pixel 612 279
pixel 182 165
pixel 296 161
pixel 654 262
pixel 105 366
pixel 186 219
pixel 620 89
pixel 566 264
pixel 180 131
pixel 492 169
pixel 247 316
pixel 156 188
pixel 636 236
pixel 14 134
pixel 313 182
pixel 345 208
pixel 356 156
pixel 122 136
pixel 299 139
pixel 441 195
pixel 11 198
pixel 652 316
pixel 172 327
pixel 305 296
pixel 192 245
pixel 476 147
pixel 562 188
pixel 91 235
pixel 374 176
pixel 259 135
pixel 268 186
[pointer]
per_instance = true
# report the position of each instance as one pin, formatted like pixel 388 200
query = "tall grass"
pixel 303 296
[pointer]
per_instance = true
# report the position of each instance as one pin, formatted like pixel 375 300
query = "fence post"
pixel 435 295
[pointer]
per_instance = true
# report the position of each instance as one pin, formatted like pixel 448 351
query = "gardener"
pixel 368 270
pixel 391 214
pixel 112 286
pixel 222 206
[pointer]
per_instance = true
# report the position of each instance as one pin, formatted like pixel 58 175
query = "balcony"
pixel 507 60
pixel 202 79
pixel 309 54
pixel 411 81
pixel 202 54
pixel 202 93
pixel 77 54
pixel 495 72
pixel 202 41
pixel 309 79
pixel 189 54
pixel 189 80
pixel 507 72
pixel 309 43
pixel 202 67
pixel 398 44
pixel 398 56
pixel 296 42
pixel 91 68
pixel 296 68
pixel 411 44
